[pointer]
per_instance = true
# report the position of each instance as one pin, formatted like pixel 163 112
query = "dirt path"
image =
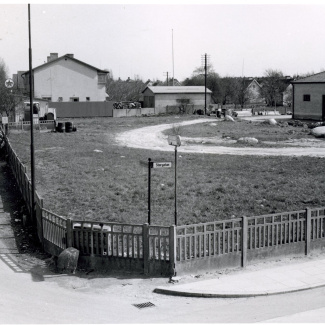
pixel 152 138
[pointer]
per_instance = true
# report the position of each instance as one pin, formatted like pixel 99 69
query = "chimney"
pixel 52 57
pixel 70 55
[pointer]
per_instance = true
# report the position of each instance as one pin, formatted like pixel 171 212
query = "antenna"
pixel 242 69
pixel 166 73
pixel 173 53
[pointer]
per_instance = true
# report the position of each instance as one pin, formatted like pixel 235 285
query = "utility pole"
pixel 173 54
pixel 31 92
pixel 166 73
pixel 205 58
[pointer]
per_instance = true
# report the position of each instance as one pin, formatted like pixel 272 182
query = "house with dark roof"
pixel 309 97
pixel 66 79
pixel 162 97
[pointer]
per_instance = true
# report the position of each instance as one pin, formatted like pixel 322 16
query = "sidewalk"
pixel 270 281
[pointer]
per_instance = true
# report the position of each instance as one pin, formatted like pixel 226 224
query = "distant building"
pixel 161 97
pixel 66 79
pixel 309 97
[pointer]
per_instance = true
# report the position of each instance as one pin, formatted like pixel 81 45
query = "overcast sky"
pixel 150 40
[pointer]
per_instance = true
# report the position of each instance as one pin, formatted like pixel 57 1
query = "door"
pixel 323 108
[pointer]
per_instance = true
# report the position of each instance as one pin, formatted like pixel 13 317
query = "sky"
pixel 148 40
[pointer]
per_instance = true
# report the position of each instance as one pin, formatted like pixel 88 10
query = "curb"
pixel 234 294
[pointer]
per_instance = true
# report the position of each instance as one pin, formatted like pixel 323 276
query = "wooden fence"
pixel 158 250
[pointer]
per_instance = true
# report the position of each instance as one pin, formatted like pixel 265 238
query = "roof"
pixel 67 56
pixel 256 82
pixel 315 78
pixel 177 89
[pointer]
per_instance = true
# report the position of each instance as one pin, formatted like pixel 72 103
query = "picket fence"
pixel 160 250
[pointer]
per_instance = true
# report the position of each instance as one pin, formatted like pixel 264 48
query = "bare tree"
pixel 9 98
pixel 128 90
pixel 273 87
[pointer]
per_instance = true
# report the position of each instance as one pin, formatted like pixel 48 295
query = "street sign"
pixel 162 165
pixel 174 140
pixel 9 83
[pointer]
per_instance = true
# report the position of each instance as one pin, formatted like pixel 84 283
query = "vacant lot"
pixel 87 175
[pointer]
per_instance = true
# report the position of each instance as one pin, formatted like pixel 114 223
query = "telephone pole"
pixel 166 73
pixel 205 62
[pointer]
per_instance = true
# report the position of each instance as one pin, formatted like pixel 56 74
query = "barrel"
pixel 68 126
pixel 59 128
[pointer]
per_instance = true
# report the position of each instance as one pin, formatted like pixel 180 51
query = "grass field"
pixel 85 175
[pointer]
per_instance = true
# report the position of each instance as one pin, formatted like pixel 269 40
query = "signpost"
pixel 175 140
pixel 152 164
pixel 9 83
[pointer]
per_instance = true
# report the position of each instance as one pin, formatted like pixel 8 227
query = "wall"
pixel 138 111
pixel 83 109
pixel 308 110
pixel 66 78
pixel 164 100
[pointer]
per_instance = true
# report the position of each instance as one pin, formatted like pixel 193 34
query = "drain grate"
pixel 11 263
pixel 144 305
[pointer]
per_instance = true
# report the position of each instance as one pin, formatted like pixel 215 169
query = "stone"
pixel 229 118
pixel 318 131
pixel 248 140
pixel 68 260
pixel 272 121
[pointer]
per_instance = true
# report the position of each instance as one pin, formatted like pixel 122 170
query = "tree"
pixel 242 95
pixel 273 87
pixel 227 90
pixel 9 98
pixel 198 79
pixel 128 90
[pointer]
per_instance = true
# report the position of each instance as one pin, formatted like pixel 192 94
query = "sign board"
pixel 162 165
pixel 174 140
pixel 9 83
pixel 4 119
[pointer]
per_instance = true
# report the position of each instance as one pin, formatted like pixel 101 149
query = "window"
pixel 306 98
pixel 47 98
pixel 60 99
pixel 87 99
pixel 74 99
pixel 101 78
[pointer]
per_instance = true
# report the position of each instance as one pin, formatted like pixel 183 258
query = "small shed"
pixel 164 97
pixel 309 97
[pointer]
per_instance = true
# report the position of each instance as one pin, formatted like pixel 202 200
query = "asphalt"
pixel 293 277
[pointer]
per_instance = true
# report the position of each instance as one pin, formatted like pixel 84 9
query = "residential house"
pixel 309 97
pixel 66 79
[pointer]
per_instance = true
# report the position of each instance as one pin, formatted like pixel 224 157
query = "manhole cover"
pixel 144 305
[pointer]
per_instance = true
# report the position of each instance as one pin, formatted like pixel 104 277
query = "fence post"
pixel 145 243
pixel 308 231
pixel 69 233
pixel 39 218
pixel 172 250
pixel 244 241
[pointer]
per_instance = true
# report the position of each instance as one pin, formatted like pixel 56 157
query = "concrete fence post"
pixel 244 241
pixel 308 231
pixel 172 250
pixel 146 248
pixel 69 231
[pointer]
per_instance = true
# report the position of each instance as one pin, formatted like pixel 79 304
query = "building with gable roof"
pixel 66 79
pixel 161 97
pixel 309 97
